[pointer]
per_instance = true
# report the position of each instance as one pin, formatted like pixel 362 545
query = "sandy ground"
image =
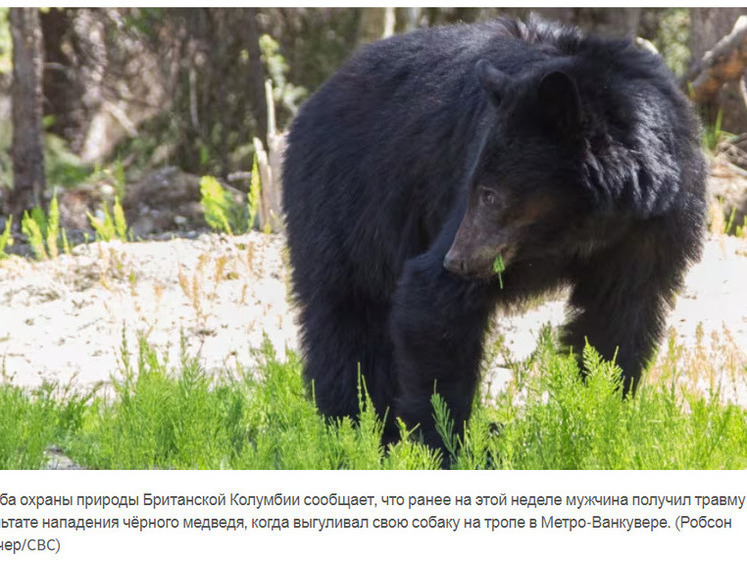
pixel 65 319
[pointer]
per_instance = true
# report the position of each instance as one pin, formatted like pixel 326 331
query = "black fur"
pixel 575 157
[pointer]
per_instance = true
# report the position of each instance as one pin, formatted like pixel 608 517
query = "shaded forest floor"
pixel 66 320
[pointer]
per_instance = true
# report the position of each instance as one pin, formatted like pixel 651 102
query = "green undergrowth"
pixel 252 419
pixel 31 422
pixel 555 421
pixel 181 417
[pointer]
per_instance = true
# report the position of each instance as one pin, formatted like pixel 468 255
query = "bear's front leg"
pixel 621 298
pixel 437 326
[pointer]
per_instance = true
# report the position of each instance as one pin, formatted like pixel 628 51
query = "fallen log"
pixel 727 61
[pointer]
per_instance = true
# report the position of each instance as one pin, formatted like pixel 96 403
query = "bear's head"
pixel 523 188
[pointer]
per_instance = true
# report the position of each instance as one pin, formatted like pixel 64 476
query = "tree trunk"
pixel 372 24
pixel 708 27
pixel 409 19
pixel 90 33
pixel 62 92
pixel 26 95
pixel 256 75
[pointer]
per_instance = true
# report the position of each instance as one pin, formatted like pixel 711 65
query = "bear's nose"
pixel 455 264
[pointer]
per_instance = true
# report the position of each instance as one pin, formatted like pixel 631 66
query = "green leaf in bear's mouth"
pixel 499 268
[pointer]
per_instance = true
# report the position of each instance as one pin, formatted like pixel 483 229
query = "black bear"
pixel 430 158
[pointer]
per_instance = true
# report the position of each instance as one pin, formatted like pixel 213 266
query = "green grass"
pixel 262 418
pixel 499 268
pixel 189 419
pixel 31 422
pixel 557 422
pixel 25 429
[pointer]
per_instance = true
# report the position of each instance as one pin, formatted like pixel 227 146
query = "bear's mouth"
pixel 485 263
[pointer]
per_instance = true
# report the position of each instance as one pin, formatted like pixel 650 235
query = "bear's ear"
pixel 493 81
pixel 560 102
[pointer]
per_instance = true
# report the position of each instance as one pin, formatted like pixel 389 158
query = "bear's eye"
pixel 488 196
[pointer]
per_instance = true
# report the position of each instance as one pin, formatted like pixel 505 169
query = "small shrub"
pixel 253 198
pixel 6 239
pixel 33 231
pixel 27 426
pixel 713 134
pixel 222 213
pixel 43 231
pixel 52 230
pixel 113 225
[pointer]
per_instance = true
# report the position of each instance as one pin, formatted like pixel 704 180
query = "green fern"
pixel 53 227
pixel 5 238
pixel 445 425
pixel 253 198
pixel 120 222
pixel 221 212
pixel 113 226
pixel 33 231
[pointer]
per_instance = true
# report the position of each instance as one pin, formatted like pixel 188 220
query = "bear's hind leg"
pixel 341 339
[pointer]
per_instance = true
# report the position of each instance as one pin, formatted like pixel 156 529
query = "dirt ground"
pixel 65 319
